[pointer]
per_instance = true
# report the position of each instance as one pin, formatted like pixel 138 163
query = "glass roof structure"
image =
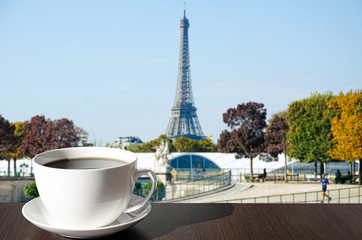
pixel 193 162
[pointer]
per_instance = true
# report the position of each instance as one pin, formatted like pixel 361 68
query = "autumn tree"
pixel 346 127
pixel 7 139
pixel 276 137
pixel 14 152
pixel 42 135
pixel 246 138
pixel 309 134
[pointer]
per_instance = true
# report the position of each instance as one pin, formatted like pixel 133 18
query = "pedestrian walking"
pixel 324 182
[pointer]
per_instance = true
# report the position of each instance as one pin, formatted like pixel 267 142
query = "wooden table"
pixel 217 221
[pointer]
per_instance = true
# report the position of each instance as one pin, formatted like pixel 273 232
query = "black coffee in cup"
pixel 84 163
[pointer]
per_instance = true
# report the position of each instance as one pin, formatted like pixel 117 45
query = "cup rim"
pixel 37 158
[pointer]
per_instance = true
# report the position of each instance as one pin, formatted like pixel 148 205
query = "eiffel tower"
pixel 184 121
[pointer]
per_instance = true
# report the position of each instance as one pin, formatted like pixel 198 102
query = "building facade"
pixel 123 142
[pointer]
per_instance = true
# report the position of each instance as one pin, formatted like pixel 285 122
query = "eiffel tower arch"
pixel 184 121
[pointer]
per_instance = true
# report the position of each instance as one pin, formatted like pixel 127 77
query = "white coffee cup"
pixel 88 198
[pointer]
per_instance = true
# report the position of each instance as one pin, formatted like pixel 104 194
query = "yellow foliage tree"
pixel 346 127
pixel 14 149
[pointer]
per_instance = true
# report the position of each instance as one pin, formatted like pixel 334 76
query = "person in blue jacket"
pixel 324 182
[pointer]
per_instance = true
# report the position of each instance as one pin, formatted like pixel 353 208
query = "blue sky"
pixel 111 66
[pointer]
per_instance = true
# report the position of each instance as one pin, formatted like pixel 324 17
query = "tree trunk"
pixel 353 167
pixel 315 171
pixel 360 172
pixel 8 168
pixel 31 168
pixel 286 167
pixel 15 172
pixel 322 168
pixel 251 169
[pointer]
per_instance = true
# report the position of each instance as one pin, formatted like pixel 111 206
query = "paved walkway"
pixel 236 189
pixel 245 190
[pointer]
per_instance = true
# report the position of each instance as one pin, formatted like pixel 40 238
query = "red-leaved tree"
pixel 42 135
pixel 246 138
pixel 276 137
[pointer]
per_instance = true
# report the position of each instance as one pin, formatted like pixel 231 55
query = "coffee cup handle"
pixel 150 193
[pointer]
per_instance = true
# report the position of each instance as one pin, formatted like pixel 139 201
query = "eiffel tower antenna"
pixel 184 121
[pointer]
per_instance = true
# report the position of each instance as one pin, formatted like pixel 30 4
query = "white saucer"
pixel 35 212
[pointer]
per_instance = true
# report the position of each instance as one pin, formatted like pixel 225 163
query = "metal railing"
pixel 175 190
pixel 244 176
pixel 345 195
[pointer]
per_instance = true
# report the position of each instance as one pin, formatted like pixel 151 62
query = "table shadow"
pixel 164 218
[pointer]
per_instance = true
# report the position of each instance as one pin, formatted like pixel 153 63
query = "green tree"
pixel 131 148
pixel 159 192
pixel 137 188
pixel 153 144
pixel 181 144
pixel 207 145
pixel 309 133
